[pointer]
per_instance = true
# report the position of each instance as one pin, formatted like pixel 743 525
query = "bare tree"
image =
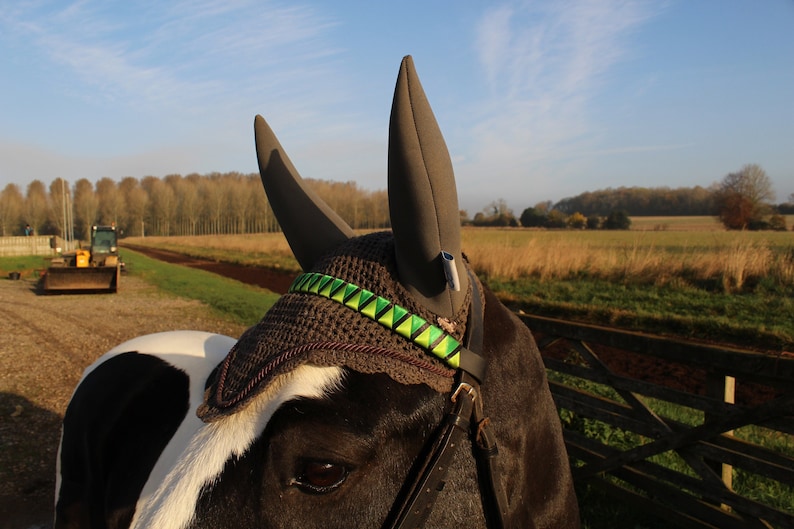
pixel 262 215
pixel 498 208
pixel 36 208
pixel 86 206
pixel 10 209
pixel 214 202
pixel 377 210
pixel 189 205
pixel 162 206
pixel 240 204
pixel 497 214
pixel 110 201
pixel 253 186
pixel 744 197
pixel 134 212
pixel 60 204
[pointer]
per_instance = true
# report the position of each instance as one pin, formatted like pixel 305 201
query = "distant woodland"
pixel 222 203
pixel 217 203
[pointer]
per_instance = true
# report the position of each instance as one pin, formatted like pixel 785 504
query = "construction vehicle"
pixel 90 270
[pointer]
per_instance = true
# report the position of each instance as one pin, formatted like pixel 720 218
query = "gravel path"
pixel 46 341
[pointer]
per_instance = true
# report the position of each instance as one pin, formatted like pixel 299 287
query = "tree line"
pixel 216 203
pixel 223 203
pixel 642 201
pixel 742 200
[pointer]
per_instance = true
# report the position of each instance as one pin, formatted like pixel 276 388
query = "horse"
pixel 389 388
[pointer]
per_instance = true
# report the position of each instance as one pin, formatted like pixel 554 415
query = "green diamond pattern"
pixel 392 316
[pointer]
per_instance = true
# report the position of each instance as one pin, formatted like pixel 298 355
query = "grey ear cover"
pixel 423 200
pixel 311 227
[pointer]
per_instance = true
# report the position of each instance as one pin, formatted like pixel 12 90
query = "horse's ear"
pixel 311 227
pixel 423 201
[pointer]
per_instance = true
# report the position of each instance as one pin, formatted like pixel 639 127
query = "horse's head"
pixel 369 396
pixel 377 328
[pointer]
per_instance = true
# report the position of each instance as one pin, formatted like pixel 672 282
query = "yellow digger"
pixel 95 269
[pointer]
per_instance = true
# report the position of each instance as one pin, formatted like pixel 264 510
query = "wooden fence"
pixel 699 435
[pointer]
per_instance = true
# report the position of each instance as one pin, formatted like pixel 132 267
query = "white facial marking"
pixel 198 457
pixel 197 453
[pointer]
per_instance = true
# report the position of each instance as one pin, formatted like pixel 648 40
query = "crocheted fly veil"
pixel 393 302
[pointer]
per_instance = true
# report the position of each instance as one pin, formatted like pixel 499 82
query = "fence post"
pixel 722 387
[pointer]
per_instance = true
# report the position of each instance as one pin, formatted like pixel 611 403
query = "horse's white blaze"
pixel 196 454
pixel 198 451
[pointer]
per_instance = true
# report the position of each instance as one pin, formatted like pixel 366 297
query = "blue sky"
pixel 537 100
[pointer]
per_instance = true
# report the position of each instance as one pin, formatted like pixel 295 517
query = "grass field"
pixel 696 281
pixel 729 287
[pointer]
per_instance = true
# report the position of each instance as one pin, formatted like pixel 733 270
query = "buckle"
pixel 468 388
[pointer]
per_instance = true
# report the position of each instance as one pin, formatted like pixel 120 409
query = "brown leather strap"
pixel 423 491
pixel 492 493
pixel 466 417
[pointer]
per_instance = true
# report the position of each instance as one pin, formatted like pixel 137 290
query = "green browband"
pixel 383 311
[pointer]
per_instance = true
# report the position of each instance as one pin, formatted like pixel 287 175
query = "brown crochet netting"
pixel 305 328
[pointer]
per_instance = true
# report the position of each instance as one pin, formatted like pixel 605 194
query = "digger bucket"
pixel 97 279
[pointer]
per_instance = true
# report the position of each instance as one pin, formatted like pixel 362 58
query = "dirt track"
pixel 278 282
pixel 45 343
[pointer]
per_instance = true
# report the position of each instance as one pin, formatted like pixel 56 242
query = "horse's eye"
pixel 320 477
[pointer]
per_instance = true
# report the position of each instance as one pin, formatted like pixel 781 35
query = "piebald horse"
pixel 389 388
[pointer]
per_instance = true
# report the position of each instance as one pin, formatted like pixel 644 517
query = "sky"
pixel 537 100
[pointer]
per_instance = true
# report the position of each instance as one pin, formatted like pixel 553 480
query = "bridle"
pixel 465 416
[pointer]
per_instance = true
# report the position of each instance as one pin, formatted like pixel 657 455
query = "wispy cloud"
pixel 178 54
pixel 169 85
pixel 544 63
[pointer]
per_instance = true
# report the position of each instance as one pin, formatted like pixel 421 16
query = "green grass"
pixel 760 319
pixel 228 298
pixel 27 265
